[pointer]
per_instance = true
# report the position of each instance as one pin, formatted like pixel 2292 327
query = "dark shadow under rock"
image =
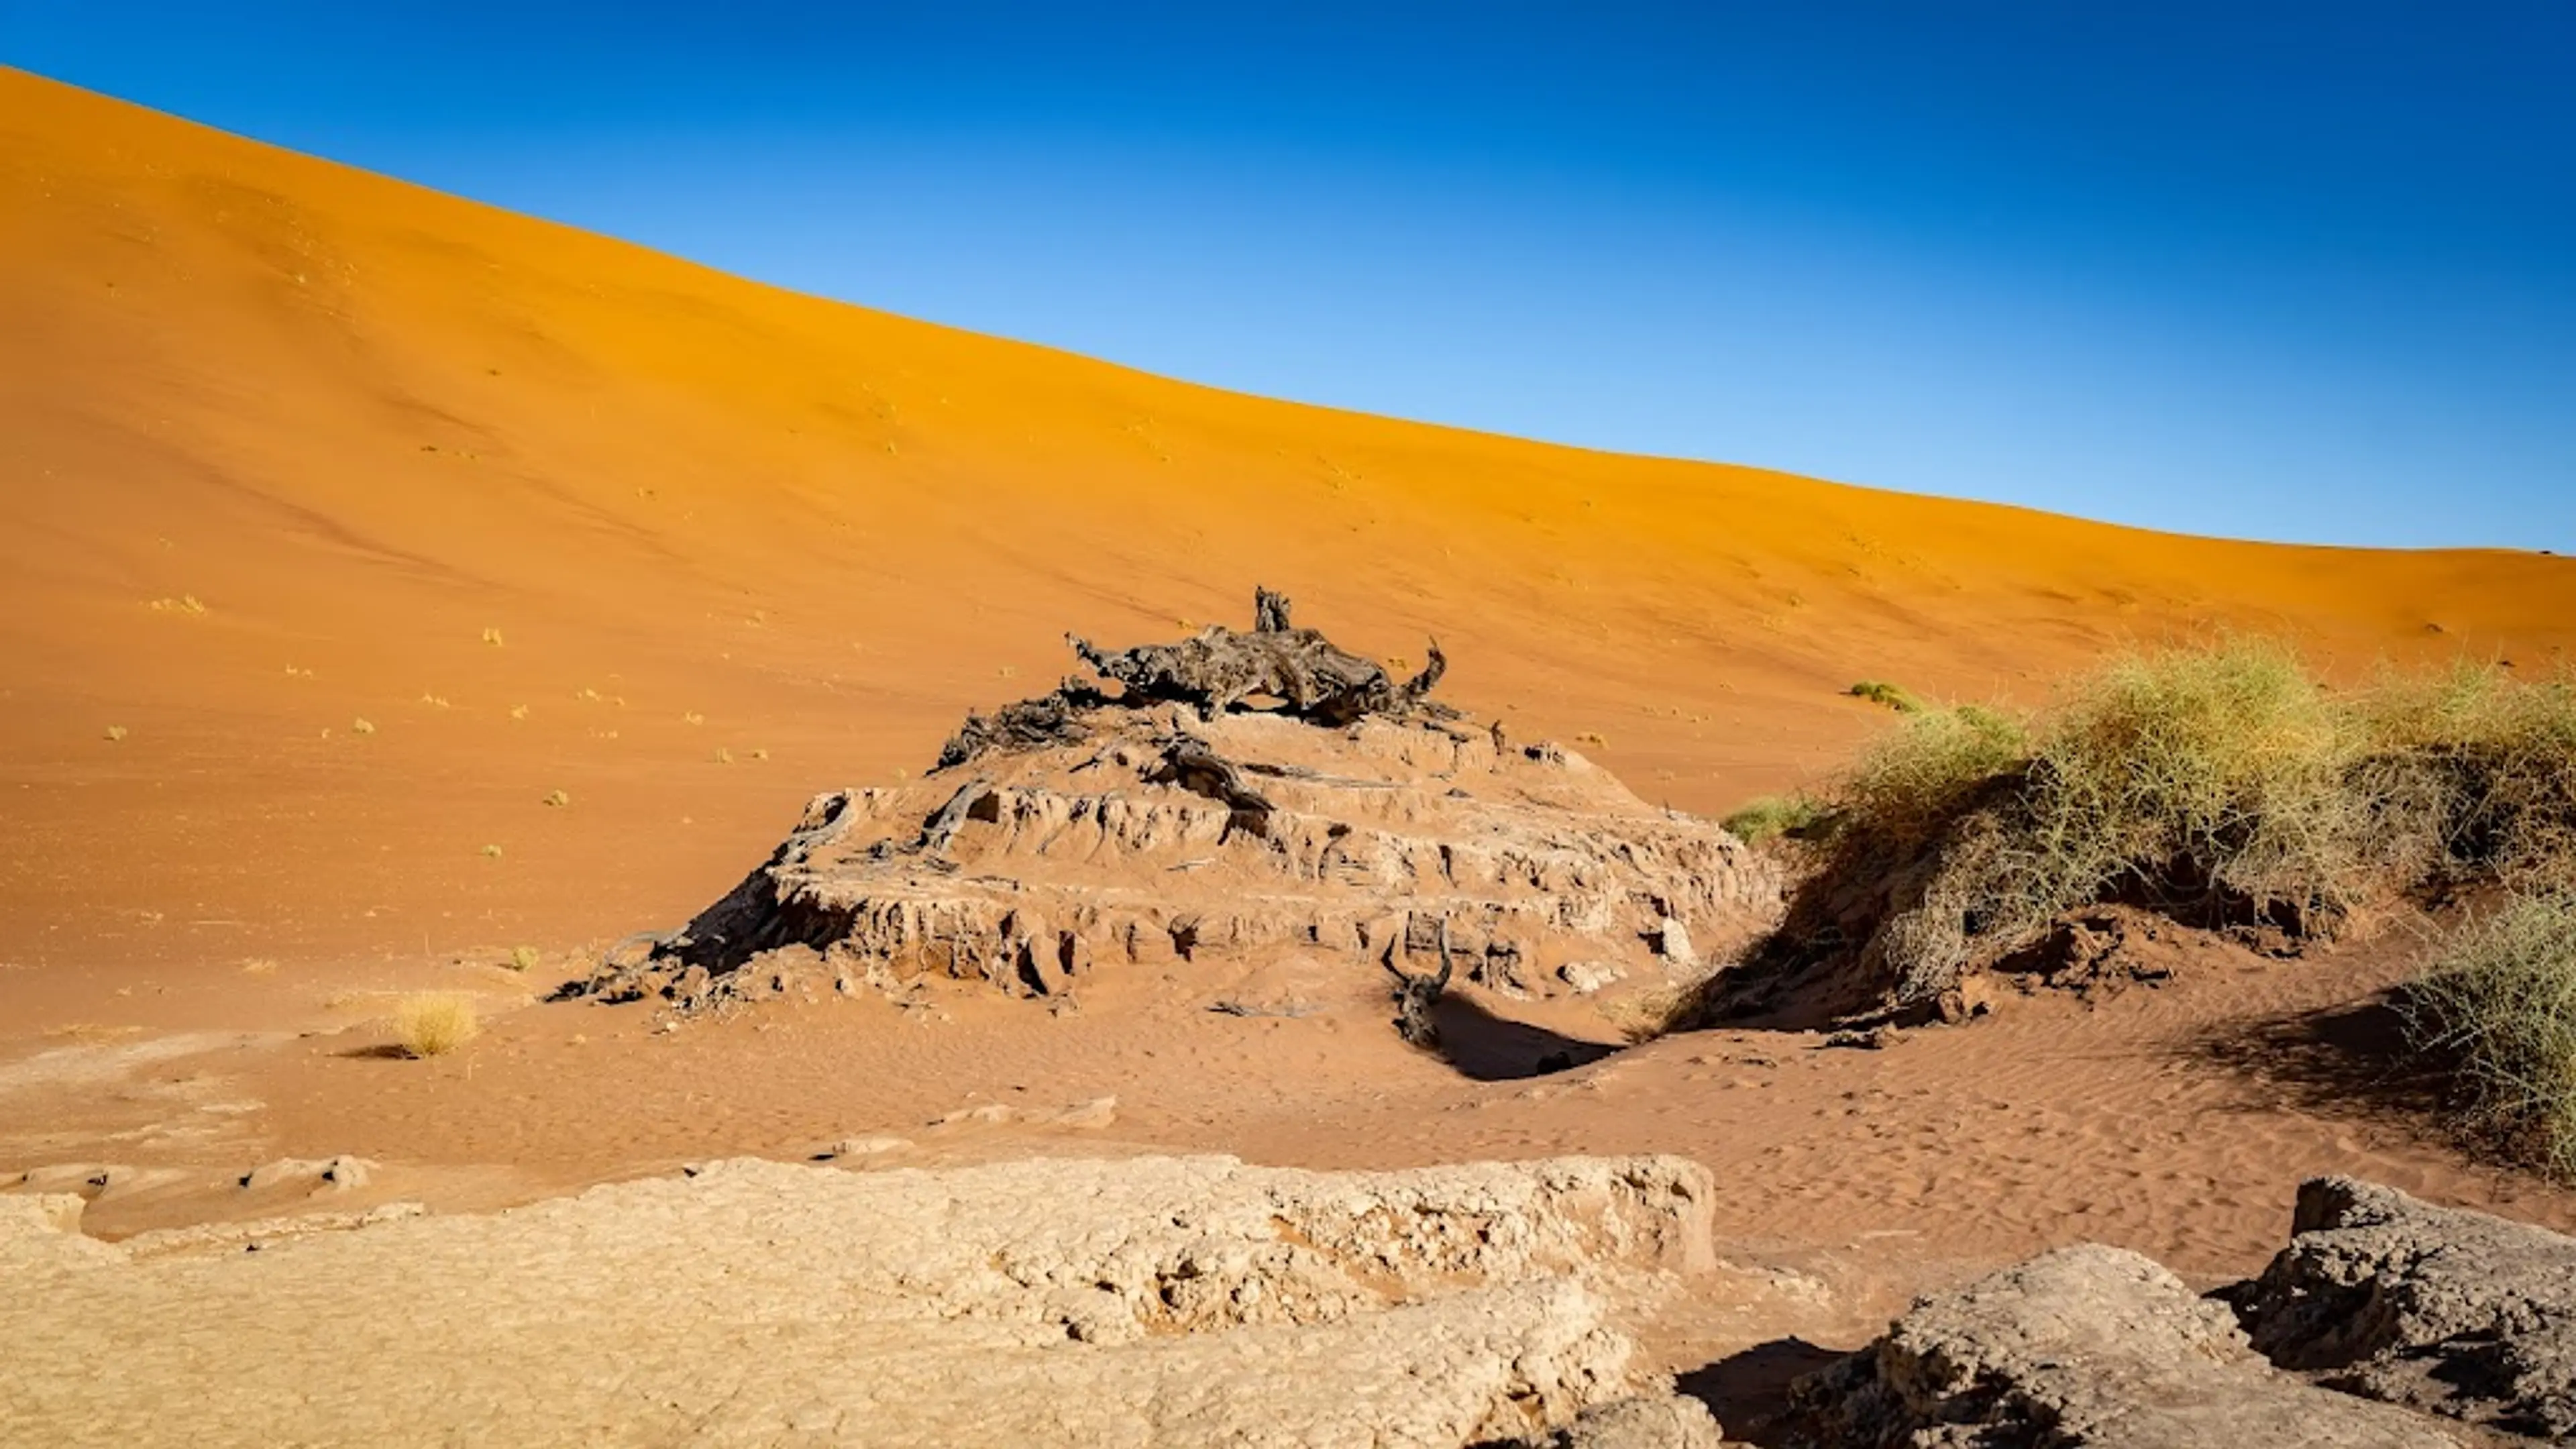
pixel 1490 1048
pixel 1749 1391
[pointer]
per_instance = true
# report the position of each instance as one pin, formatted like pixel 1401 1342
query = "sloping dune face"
pixel 368 519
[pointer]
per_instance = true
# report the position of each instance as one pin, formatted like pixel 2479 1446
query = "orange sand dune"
pixel 282 441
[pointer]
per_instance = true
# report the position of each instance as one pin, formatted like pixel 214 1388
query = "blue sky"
pixel 2257 269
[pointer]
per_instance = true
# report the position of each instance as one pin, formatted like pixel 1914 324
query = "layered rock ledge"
pixel 2457 1312
pixel 2086 1346
pixel 1156 1301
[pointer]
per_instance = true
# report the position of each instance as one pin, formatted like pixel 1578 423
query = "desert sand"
pixel 388 582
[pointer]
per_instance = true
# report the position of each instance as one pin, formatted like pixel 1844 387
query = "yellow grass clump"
pixel 435 1023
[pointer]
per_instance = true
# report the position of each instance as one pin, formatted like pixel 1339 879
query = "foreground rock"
pixel 1240 795
pixel 1146 1302
pixel 2087 1346
pixel 2452 1311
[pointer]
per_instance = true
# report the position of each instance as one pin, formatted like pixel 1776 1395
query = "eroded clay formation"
pixel 1131 1302
pixel 1235 794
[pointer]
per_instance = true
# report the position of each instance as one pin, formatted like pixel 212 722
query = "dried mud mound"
pixel 1157 1301
pixel 1238 793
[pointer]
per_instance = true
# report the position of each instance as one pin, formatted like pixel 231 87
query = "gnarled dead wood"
pixel 1269 611
pixel 1215 670
pixel 1416 995
pixel 1219 668
pixel 1194 767
pixel 1031 724
pixel 942 827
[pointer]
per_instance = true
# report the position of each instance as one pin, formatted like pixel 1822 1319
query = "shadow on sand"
pixel 2344 1061
pixel 1490 1048
pixel 381 1052
pixel 1748 1390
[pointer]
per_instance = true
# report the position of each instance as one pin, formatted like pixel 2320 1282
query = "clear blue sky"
pixel 2271 270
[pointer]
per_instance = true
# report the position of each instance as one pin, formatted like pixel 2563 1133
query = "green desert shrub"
pixel 2500 1005
pixel 2473 774
pixel 2216 769
pixel 2221 784
pixel 1895 696
pixel 1773 816
pixel 1916 782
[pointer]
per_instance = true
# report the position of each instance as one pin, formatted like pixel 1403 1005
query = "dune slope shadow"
pixel 1490 1048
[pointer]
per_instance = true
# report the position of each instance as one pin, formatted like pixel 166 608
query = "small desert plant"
pixel 115 733
pixel 1775 815
pixel 435 1023
pixel 2499 1005
pixel 1895 696
pixel 557 798
pixel 524 958
pixel 363 725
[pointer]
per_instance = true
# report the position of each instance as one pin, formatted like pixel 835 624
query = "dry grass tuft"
pixel 524 958
pixel 2222 785
pixel 557 798
pixel 2500 1005
pixel 115 733
pixel 435 1023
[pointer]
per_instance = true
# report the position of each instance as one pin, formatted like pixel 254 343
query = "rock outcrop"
pixel 2087 1346
pixel 1154 1301
pixel 1328 811
pixel 2452 1311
